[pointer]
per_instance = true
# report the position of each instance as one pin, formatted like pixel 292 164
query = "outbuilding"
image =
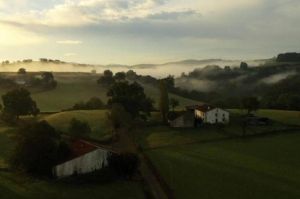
pixel 85 158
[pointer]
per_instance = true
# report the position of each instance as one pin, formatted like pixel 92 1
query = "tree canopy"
pixel 38 148
pixel 118 117
pixel 250 104
pixel 107 79
pixel 79 129
pixel 132 97
pixel 22 71
pixel 173 103
pixel 94 103
pixel 120 76
pixel 164 100
pixel 288 57
pixel 243 66
pixel 18 102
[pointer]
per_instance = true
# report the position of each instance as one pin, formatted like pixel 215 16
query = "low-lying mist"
pixel 158 71
pixel 195 84
pixel 277 77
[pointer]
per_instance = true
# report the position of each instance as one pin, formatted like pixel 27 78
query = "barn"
pixel 85 158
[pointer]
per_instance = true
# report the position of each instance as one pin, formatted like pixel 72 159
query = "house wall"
pixel 87 163
pixel 183 121
pixel 216 115
pixel 199 114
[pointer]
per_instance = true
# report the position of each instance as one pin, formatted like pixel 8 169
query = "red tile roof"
pixel 80 147
pixel 203 108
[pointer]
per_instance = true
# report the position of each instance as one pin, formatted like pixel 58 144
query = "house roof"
pixel 81 147
pixel 202 108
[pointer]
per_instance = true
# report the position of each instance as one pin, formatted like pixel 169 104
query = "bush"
pixel 79 129
pixel 118 117
pixel 92 104
pixel 125 165
pixel 39 147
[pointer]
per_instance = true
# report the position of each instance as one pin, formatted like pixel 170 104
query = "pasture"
pixel 95 118
pixel 76 87
pixel 18 186
pixel 212 162
pixel 286 117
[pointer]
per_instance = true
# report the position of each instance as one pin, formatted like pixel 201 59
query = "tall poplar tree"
pixel 164 101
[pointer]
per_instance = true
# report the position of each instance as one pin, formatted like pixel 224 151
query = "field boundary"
pixel 231 136
pixel 163 184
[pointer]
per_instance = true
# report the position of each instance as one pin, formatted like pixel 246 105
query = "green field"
pixel 76 87
pixel 17 186
pixel 154 94
pixel 287 117
pixel 265 168
pixel 13 186
pixel 95 118
pixel 208 163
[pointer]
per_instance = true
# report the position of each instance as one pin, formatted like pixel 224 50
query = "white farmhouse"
pixel 85 158
pixel 209 114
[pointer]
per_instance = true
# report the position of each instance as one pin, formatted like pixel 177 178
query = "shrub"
pixel 39 147
pixel 94 103
pixel 79 129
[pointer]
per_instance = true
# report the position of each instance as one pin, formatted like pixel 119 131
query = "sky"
pixel 147 31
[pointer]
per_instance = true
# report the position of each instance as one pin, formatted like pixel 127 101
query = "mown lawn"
pixel 267 168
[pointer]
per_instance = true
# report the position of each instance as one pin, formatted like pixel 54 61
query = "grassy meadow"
pixel 265 167
pixel 209 163
pixel 18 186
pixel 95 118
pixel 286 117
pixel 76 87
pixel 206 162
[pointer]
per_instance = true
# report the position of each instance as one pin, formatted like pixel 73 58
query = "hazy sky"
pixel 143 31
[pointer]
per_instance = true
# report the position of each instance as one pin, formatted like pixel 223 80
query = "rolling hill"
pixel 76 87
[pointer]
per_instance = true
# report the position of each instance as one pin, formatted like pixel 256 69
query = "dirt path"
pixel 150 176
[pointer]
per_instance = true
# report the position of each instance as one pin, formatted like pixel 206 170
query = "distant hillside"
pixel 76 87
pixel 161 70
pixel 275 84
pixel 288 57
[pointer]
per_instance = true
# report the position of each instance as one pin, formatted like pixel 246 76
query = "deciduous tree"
pixel 18 102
